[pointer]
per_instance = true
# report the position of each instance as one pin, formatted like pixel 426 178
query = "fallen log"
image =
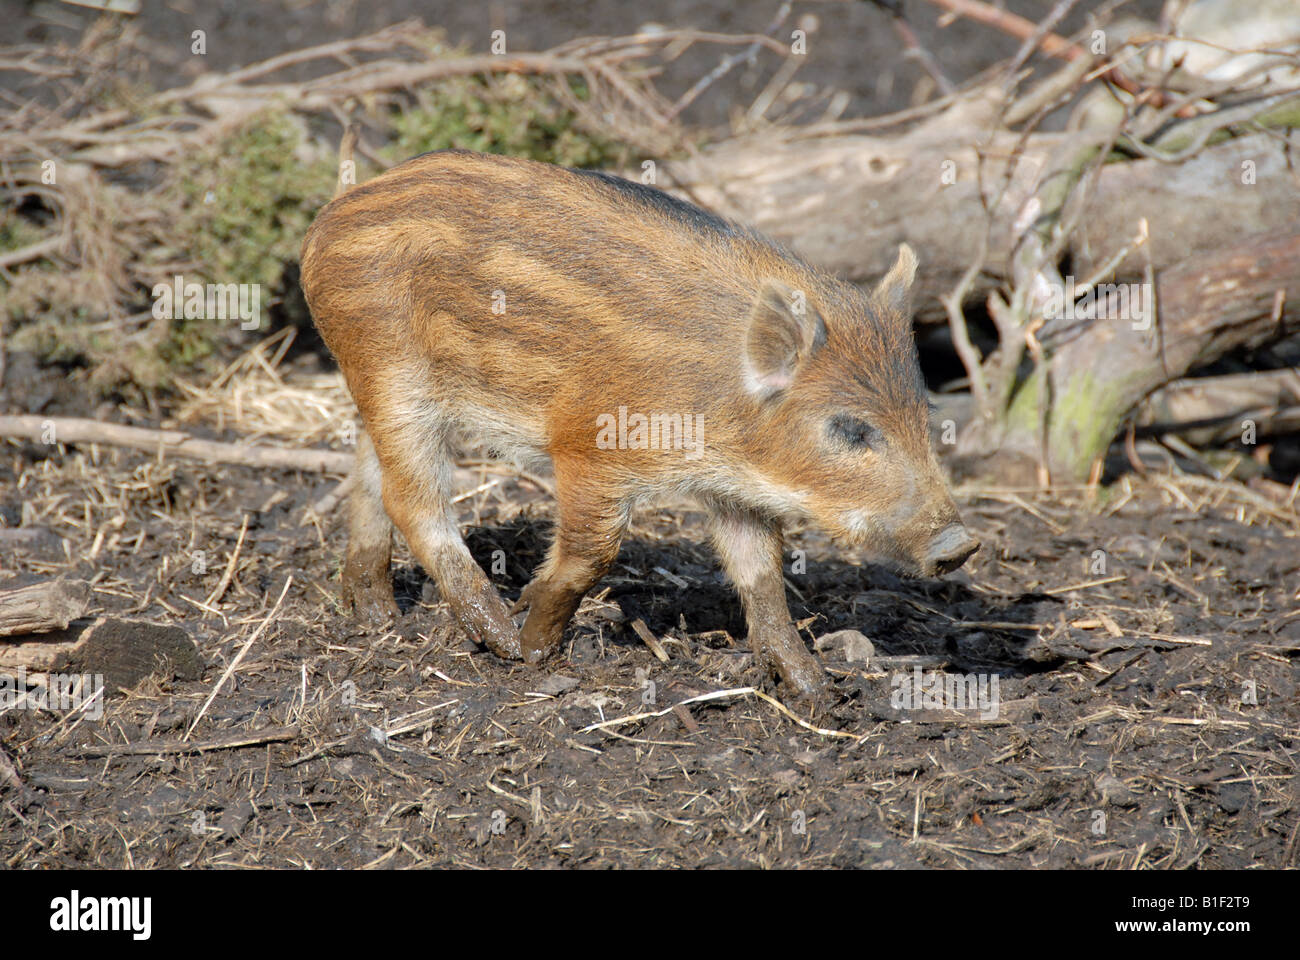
pixel 1205 411
pixel 1218 410
pixel 845 202
pixel 1155 224
pixel 1207 305
pixel 41 607
pixel 123 652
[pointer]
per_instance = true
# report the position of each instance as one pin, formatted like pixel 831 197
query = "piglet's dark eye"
pixel 854 432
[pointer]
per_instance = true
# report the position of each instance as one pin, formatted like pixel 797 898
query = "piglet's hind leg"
pixel 417 495
pixel 367 587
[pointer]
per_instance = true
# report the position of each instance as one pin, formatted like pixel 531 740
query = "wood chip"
pixel 650 639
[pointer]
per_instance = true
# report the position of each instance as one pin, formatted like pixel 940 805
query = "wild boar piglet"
pixel 639 346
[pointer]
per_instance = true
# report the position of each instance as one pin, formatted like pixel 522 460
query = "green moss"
pixel 17 231
pixel 510 115
pixel 1086 414
pixel 242 208
pixel 1104 496
pixel 245 205
pixel 1284 115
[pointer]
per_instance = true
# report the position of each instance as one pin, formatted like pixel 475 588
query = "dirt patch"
pixel 1144 648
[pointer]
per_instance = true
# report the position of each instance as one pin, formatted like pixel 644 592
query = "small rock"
pixel 555 684
pixel 235 817
pixel 1112 791
pixel 851 645
pixel 162 801
pixel 1231 797
pixel 787 778
pixel 589 701
pixel 37 540
pixel 806 758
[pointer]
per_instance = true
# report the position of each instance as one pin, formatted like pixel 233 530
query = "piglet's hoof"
pixel 543 632
pixel 811 705
pixel 537 644
pixel 804 685
pixel 372 604
pixel 494 630
pixel 477 607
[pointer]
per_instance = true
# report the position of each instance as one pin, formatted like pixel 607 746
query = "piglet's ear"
pixel 894 292
pixel 785 330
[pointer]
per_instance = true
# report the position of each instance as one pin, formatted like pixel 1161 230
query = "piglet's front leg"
pixel 750 548
pixel 592 519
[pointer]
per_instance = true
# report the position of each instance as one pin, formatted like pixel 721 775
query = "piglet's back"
pixel 462 256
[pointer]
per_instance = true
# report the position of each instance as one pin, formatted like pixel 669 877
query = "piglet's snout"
pixel 951 547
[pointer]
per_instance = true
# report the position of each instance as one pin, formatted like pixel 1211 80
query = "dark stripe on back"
pixel 686 213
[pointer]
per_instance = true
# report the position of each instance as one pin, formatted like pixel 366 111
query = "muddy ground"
pixel 1125 736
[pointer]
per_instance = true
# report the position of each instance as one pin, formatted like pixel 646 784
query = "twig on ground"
pixel 238 657
pixel 163 748
pixel 177 442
